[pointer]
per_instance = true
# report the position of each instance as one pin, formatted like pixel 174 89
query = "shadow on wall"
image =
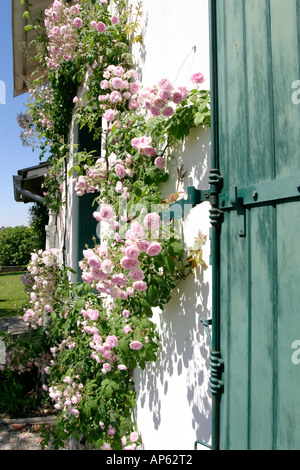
pixel 183 362
pixel 142 49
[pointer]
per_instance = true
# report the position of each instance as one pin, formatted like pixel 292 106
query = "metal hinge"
pixel 216 370
pixel 207 324
pixel 269 192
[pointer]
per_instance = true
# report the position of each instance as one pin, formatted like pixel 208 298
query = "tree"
pixel 38 219
pixel 16 245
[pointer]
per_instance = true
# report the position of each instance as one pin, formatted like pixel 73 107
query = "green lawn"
pixel 12 295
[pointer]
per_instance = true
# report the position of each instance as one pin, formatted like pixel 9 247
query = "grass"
pixel 12 295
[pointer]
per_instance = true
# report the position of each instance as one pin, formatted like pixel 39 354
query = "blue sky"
pixel 13 156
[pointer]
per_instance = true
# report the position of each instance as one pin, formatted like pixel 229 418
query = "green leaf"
pixel 108 391
pixel 198 119
pixel 153 295
pixel 170 264
pixel 176 249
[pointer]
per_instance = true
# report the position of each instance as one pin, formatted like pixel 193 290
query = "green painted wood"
pixel 87 224
pixel 259 140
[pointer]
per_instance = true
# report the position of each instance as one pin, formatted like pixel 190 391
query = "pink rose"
pixel 92 314
pixel 197 78
pixel 114 20
pixel 129 264
pixel 152 221
pixel 133 104
pixel 142 244
pixel 106 213
pixel 101 27
pixel 120 170
pixel 117 82
pixel 77 22
pixel 119 279
pixel 126 313
pixel 168 111
pixel 137 275
pixel 127 329
pixel 109 115
pixel 132 252
pixel 177 97
pixel 160 162
pixel 140 286
pixel 135 345
pixel 165 84
pixel 112 341
pixel 154 249
pixel 134 436
pixel 159 103
pixel 106 446
pixel 115 97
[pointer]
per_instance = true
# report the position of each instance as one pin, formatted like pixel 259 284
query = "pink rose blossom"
pixel 106 446
pixel 107 266
pixel 135 345
pixel 132 252
pixel 106 213
pixel 119 279
pixel 129 264
pixel 77 22
pixel 109 115
pixel 117 82
pixel 142 244
pixel 115 97
pixel 154 249
pixel 112 341
pixel 152 221
pixel 114 20
pixel 127 329
pixel 120 170
pixel 165 84
pixel 133 104
pixel 177 97
pixel 134 87
pixel 101 27
pixel 168 111
pixel 92 314
pixel 197 77
pixel 140 286
pixel 134 436
pixel 160 162
pixel 159 103
pixel 137 275
pixel 126 313
pixel 111 431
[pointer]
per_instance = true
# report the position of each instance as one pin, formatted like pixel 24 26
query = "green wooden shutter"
pixel 256 140
pixel 87 224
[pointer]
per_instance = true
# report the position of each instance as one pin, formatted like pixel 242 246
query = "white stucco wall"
pixel 174 404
